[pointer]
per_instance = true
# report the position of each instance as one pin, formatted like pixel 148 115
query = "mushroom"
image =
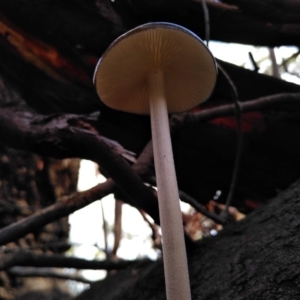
pixel 156 69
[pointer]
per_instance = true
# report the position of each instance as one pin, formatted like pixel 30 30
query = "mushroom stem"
pixel 174 253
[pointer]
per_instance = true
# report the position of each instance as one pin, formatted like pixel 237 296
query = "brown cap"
pixel 121 75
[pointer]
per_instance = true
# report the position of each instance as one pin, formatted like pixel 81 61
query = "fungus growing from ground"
pixel 156 69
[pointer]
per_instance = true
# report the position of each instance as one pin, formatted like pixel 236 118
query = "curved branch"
pixel 62 136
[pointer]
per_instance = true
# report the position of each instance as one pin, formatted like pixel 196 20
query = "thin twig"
pixel 194 203
pixel 118 226
pixel 239 146
pixel 207 21
pixel 254 64
pixel 156 237
pixel 105 232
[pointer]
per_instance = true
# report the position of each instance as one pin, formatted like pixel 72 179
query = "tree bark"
pixel 256 258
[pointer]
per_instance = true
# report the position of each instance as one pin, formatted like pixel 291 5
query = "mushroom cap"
pixel 122 73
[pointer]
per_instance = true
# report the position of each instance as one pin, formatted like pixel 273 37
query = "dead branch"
pixel 206 20
pixel 27 258
pixel 60 209
pixel 156 236
pixel 117 226
pixel 105 232
pixel 59 136
pixel 228 109
pixel 46 272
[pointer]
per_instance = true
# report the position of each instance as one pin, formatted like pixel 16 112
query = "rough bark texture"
pixel 257 258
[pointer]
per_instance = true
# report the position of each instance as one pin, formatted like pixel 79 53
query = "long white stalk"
pixel 174 252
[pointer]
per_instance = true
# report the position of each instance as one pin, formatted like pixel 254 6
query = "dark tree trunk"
pixel 257 258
